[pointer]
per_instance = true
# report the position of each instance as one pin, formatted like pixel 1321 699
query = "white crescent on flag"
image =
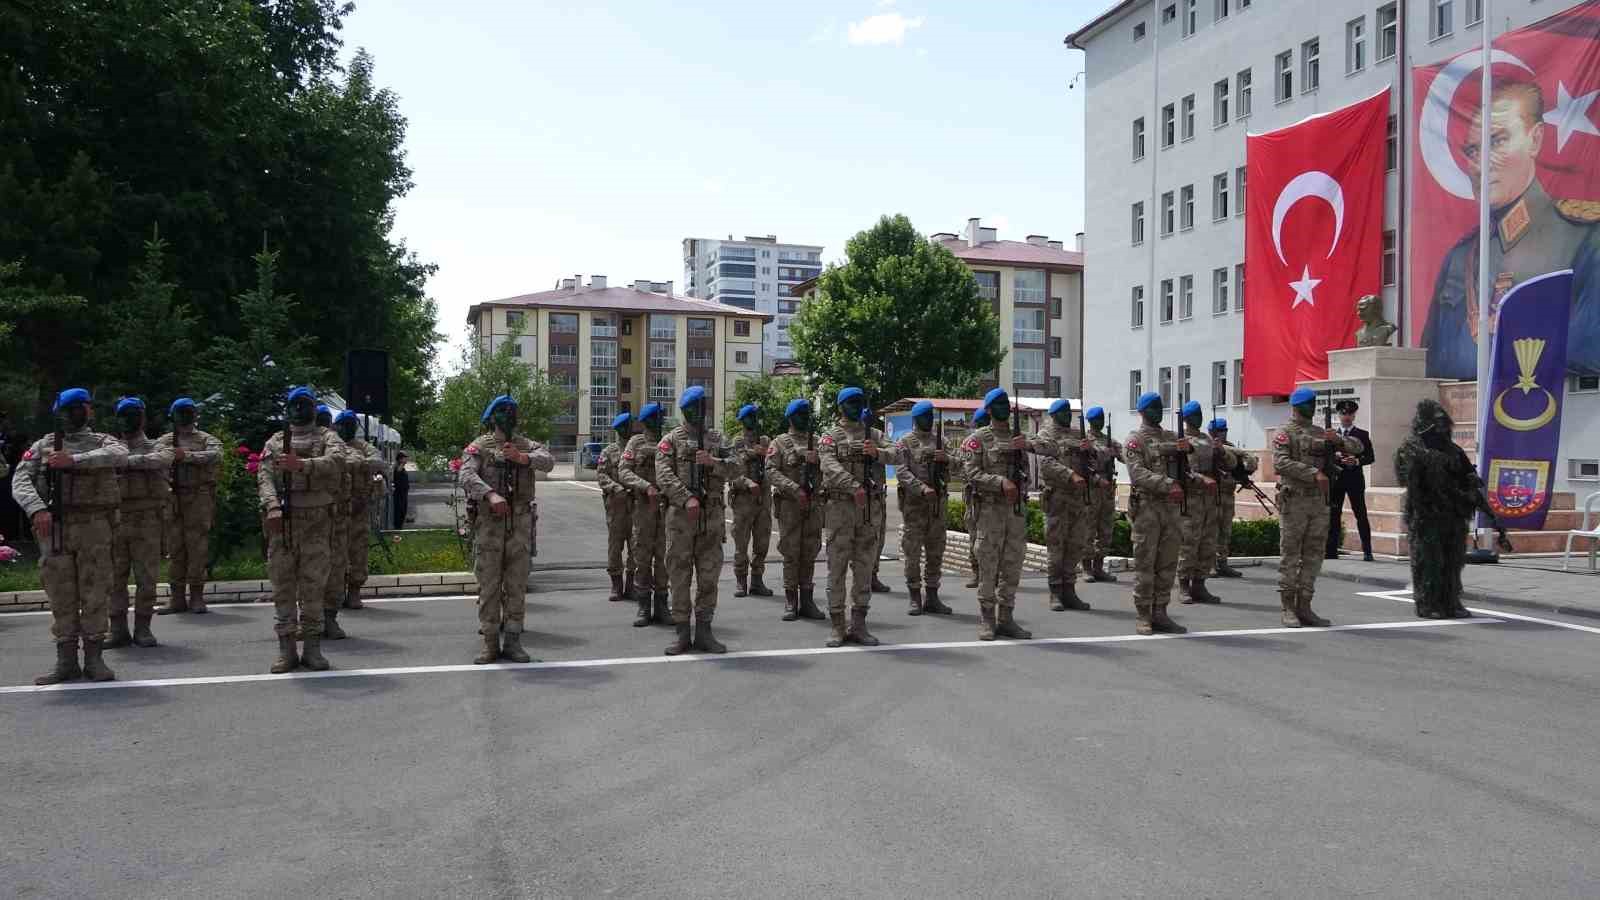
pixel 1308 184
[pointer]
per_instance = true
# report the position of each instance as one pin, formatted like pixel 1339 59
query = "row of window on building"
pixel 1226 388
pixel 1441 23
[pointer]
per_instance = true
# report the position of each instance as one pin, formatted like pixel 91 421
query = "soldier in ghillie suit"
pixel 1442 492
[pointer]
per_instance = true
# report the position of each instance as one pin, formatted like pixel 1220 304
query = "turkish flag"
pixel 1313 241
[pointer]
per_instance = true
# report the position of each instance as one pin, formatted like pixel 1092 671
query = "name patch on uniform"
pixel 1282 440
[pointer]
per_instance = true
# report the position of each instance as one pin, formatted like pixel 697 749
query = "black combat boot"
pixel 352 597
pixel 741 583
pixel 1198 590
pixel 627 585
pixel 142 636
pixel 616 589
pixel 119 632
pixel 857 633
pixel 877 586
pixel 704 640
pixel 311 656
pixel 66 668
pixel 837 637
pixel 1100 573
pixel 1007 627
pixel 490 651
pixel 1055 598
pixel 330 625
pixel 684 642
pixel 1070 598
pixel 1303 612
pixel 1142 623
pixel 177 601
pixel 95 668
pixel 197 598
pixel 511 648
pixel 933 606
pixel 1226 571
pixel 808 605
pixel 791 605
pixel 915 609
pixel 1290 620
pixel 985 620
pixel 287 657
pixel 660 609
pixel 1186 591
pixel 1163 623
pixel 758 587
pixel 973 581
pixel 642 597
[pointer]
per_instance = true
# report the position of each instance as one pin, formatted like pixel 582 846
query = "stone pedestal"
pixel 1387 382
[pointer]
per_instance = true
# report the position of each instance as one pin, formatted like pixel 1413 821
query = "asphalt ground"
pixel 1386 757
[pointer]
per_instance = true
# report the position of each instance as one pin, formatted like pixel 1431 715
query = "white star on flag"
pixel 1571 115
pixel 1304 287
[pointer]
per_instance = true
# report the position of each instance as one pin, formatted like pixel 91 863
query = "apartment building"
pixel 1172 88
pixel 618 348
pixel 757 274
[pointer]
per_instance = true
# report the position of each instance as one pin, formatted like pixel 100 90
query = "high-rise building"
pixel 618 348
pixel 755 274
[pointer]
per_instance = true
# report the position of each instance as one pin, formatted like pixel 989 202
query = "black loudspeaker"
pixel 366 381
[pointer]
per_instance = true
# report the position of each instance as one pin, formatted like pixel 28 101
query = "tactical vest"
pixel 142 489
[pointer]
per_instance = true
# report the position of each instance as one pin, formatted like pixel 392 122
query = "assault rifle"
pixel 938 472
pixel 1178 467
pixel 867 484
pixel 1331 447
pixel 1084 456
pixel 1242 478
pixel 58 506
pixel 1019 477
pixel 1216 464
pixel 286 495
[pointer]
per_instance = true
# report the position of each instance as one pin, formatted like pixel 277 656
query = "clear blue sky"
pixel 556 138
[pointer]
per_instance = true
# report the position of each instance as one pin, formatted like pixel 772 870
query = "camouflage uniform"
pixel 750 495
pixel 366 468
pixel 1299 453
pixel 694 549
pixel 299 555
pixel 1002 533
pixel 77 581
pixel 194 503
pixel 852 534
pixel 638 471
pixel 923 516
pixel 338 546
pixel 617 501
pixel 1199 552
pixel 1067 504
pixel 136 547
pixel 504 543
pixel 1103 505
pixel 1157 527
pixel 1228 488
pixel 799 528
pixel 969 517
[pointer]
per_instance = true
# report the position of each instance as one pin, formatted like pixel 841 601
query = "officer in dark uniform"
pixel 1352 482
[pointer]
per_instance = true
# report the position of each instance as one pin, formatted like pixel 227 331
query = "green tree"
pixel 772 393
pixel 145 338
pixel 456 418
pixel 899 314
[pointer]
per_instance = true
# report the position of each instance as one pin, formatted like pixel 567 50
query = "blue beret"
pixel 1302 395
pixel 1095 413
pixel 346 414
pixel 493 404
pixel 1192 407
pixel 992 396
pixel 650 410
pixel 749 409
pixel 1218 424
pixel 847 393
pixel 71 396
pixel 798 404
pixel 980 417
pixel 621 420
pixel 922 408
pixel 129 403
pixel 1059 405
pixel 296 393
pixel 1147 400
pixel 691 395
pixel 324 408
pixel 178 404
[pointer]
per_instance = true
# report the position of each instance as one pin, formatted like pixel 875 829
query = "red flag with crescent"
pixel 1313 241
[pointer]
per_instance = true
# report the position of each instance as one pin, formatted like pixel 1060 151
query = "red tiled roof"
pixel 620 299
pixel 1014 253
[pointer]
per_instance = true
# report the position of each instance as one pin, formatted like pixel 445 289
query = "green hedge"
pixel 1254 537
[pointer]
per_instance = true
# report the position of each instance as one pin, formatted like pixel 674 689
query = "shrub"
pixel 237 526
pixel 1257 537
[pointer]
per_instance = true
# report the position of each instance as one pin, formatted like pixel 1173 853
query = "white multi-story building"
pixel 1173 86
pixel 756 274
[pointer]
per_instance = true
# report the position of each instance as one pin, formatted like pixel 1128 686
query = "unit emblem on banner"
pixel 1517 487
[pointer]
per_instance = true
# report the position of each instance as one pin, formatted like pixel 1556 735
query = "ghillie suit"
pixel 1442 492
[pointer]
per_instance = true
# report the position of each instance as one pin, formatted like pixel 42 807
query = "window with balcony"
pixel 1355 45
pixel 603 326
pixel 1388 32
pixel 1186 207
pixel 1028 285
pixel 601 412
pixel 1219 384
pixel 1164 385
pixel 663 327
pixel 564 355
pixel 603 354
pixel 663 355
pixel 1135 387
pixel 662 387
pixel 1186 297
pixel 702 328
pixel 1219 197
pixel 988 285
pixel 1168 213
pixel 1284 83
pixel 1166 300
pixel 1169 125
pixel 1310 65
pixel 1136 312
pixel 602 384
pixel 1219 291
pixel 1138 223
pixel 1027 326
pixel 1027 366
pixel 1241 83
pixel 1188 117
pixel 1219 104
pixel 701 358
pixel 563 323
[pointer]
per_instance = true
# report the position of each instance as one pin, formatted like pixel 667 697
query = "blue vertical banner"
pixel 1521 412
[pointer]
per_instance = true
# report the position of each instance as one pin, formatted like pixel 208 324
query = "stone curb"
pixel 1470 595
pixel 1036 559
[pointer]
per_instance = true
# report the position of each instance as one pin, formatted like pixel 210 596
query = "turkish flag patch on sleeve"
pixel 772 450
pixel 28 455
pixel 665 446
pixel 627 454
pixel 1282 440
pixel 471 450
pixel 971 444
pixel 1133 443
pixel 827 441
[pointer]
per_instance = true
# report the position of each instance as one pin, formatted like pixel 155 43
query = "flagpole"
pixel 1485 297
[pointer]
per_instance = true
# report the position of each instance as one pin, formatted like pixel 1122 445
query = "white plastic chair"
pixel 1590 530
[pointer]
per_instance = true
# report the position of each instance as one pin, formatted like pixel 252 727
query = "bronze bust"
pixel 1374 331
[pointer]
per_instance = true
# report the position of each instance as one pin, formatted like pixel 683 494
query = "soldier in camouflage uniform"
pixel 1103 509
pixel 1067 497
pixel 880 482
pixel 1301 455
pixel 338 536
pixel 846 452
pixel 136 547
pixel 799 513
pixel 499 472
pixel 366 468
pixel 1154 506
pixel 988 461
pixel 637 472
pixel 750 495
pixel 618 503
pixel 197 459
pixel 298 479
pixel 969 505
pixel 1199 552
pixel 694 520
pixel 923 495
pixel 1227 488
pixel 77 576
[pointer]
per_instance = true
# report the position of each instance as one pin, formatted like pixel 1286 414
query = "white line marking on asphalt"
pixel 1405 597
pixel 258 605
pixel 742 654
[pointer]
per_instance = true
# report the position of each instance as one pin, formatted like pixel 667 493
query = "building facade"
pixel 1172 88
pixel 618 348
pixel 757 274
